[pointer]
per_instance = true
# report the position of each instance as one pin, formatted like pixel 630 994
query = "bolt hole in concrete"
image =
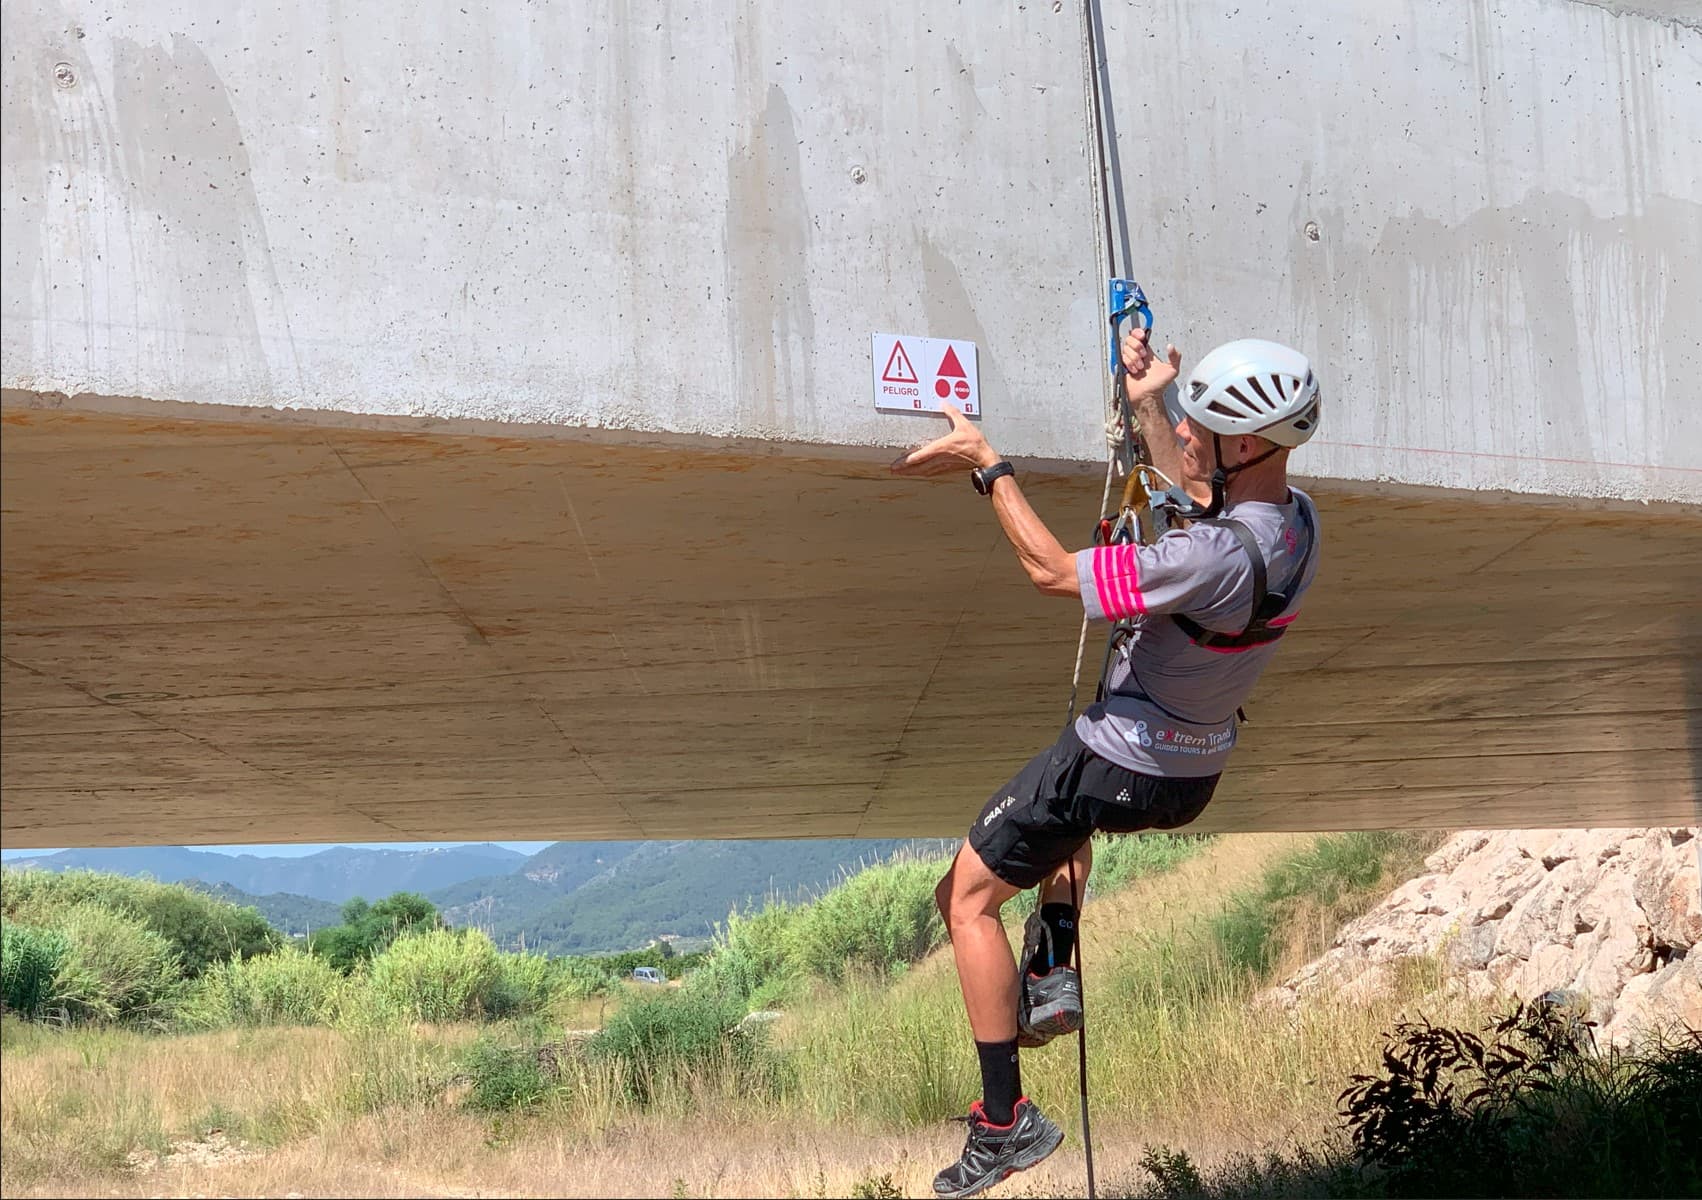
pixel 64 75
pixel 1312 231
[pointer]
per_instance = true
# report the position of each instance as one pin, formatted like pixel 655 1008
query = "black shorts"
pixel 1038 820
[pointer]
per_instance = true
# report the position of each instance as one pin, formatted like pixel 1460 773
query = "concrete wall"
pixel 1484 219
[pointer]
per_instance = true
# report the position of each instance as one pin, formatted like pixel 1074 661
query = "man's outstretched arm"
pixel 1050 567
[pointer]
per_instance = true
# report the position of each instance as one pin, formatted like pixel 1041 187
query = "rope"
pixel 1081 1034
pixel 1119 434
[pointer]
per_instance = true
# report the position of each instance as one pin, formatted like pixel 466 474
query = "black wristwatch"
pixel 983 477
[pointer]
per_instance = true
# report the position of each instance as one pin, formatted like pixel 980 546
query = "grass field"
pixel 849 1095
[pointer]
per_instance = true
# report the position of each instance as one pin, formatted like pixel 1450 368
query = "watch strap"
pixel 985 477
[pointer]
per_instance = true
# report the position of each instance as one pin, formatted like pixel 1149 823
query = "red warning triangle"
pixel 898 368
pixel 950 366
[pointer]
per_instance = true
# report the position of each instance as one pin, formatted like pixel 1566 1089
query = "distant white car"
pixel 648 975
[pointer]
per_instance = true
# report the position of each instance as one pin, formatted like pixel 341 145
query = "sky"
pixel 297 850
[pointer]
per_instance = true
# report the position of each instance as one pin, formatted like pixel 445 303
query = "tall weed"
pixel 29 965
pixel 880 919
pixel 1336 878
pixel 1122 858
pixel 752 962
pixel 114 969
pixel 202 930
pixel 441 975
pixel 662 1043
pixel 287 987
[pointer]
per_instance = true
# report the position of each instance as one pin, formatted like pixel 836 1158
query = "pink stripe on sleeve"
pixel 1116 574
pixel 1102 582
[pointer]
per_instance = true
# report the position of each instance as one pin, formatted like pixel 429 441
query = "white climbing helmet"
pixel 1254 386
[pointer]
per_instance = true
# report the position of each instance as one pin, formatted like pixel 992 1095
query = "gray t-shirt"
pixel 1171 707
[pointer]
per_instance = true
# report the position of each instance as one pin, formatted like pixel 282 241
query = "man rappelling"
pixel 1199 613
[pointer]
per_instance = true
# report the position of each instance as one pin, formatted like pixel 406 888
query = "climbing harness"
pixel 1265 625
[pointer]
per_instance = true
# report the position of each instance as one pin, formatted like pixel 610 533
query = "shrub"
pixel 367 929
pixel 1529 1110
pixel 580 979
pixel 115 968
pixel 439 975
pixel 201 929
pixel 752 960
pixel 669 1037
pixel 503 1078
pixel 29 965
pixel 879 919
pixel 523 986
pixel 287 987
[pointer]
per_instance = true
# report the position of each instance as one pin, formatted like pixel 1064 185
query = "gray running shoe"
pixel 992 1152
pixel 1048 1006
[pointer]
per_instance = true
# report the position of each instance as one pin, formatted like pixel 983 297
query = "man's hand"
pixel 1145 374
pixel 960 450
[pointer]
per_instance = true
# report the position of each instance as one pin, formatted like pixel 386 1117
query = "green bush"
pixel 368 928
pixel 580 979
pixel 752 961
pixel 524 985
pixel 667 1038
pixel 504 1078
pixel 115 968
pixel 287 987
pixel 29 965
pixel 1526 1109
pixel 878 920
pixel 201 929
pixel 439 975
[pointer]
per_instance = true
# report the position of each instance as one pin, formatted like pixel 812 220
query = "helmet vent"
pixel 1253 382
pixel 1222 409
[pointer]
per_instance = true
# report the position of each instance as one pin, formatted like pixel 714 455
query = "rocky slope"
pixel 1612 916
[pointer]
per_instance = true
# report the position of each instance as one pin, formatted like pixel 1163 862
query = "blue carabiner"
pixel 1125 299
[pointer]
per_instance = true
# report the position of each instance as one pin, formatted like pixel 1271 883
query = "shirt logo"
pixel 1139 734
pixel 1293 542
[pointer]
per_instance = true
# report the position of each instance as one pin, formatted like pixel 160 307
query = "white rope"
pixel 1114 434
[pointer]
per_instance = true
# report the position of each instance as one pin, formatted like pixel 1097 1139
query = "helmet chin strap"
pixel 1219 483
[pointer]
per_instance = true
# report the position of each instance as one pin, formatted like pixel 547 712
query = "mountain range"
pixel 336 874
pixel 569 898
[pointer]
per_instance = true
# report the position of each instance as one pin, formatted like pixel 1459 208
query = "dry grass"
pixel 1178 1057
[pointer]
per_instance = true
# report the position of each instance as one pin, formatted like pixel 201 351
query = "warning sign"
pixel 950 374
pixel 898 368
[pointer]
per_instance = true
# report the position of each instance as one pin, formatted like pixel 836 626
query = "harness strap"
pixel 1267 605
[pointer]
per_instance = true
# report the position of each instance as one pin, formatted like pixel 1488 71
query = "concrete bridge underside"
pixel 273 630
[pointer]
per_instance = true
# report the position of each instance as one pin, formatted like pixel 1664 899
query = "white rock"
pixel 1613 913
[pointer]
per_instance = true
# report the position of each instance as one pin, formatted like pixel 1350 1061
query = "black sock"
pixel 1001 1080
pixel 1061 920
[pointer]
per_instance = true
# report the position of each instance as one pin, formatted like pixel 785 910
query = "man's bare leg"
pixel 969 898
pixel 1055 889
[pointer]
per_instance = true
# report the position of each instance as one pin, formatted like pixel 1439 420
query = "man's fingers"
pixel 1175 356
